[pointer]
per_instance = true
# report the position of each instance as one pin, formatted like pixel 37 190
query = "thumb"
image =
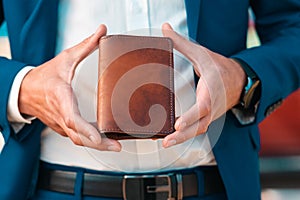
pixel 87 46
pixel 181 44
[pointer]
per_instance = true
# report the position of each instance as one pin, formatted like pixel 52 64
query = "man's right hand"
pixel 46 93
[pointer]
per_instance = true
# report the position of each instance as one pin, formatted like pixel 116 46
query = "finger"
pixel 57 129
pixel 189 132
pixel 71 118
pixel 200 109
pixel 87 46
pixel 86 129
pixel 181 44
pixel 189 117
pixel 105 145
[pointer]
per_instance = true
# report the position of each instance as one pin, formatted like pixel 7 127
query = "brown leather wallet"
pixel 135 87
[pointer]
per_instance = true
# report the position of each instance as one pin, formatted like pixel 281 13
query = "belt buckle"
pixel 139 182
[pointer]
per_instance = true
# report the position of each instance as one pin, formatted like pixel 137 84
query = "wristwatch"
pixel 246 109
pixel 251 94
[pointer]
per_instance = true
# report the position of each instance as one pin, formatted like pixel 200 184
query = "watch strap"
pixel 251 92
pixel 245 111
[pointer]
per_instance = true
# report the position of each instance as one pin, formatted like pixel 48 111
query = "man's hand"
pixel 46 93
pixel 219 88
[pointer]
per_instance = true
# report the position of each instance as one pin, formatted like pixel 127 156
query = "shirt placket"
pixel 137 15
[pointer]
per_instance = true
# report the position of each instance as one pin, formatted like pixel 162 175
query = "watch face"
pixel 249 84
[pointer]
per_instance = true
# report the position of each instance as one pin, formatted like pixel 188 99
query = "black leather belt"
pixel 173 185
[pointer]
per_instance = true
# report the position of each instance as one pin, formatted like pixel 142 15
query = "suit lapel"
pixel 193 13
pixel 38 34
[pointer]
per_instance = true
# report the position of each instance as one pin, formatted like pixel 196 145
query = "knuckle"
pixel 202 128
pixel 76 140
pixel 205 106
pixel 205 129
pixel 180 137
pixel 69 121
pixel 85 41
pixel 60 131
pixel 208 108
pixel 66 53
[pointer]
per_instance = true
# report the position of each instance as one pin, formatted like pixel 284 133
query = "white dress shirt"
pixel 79 19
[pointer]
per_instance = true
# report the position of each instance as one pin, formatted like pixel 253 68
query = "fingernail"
pixel 113 148
pixel 94 140
pixel 171 143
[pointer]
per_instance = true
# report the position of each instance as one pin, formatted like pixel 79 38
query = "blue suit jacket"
pixel 218 25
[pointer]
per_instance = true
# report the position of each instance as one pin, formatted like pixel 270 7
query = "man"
pixel 45 92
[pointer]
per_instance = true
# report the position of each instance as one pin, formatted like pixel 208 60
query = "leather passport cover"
pixel 135 87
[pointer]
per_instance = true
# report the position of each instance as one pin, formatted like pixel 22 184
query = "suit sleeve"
pixel 8 71
pixel 277 60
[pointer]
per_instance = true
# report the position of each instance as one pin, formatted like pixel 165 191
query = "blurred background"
pixel 280 138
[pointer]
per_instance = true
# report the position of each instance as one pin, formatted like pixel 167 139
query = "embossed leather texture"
pixel 135 87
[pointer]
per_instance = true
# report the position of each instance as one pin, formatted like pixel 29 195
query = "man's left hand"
pixel 219 88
